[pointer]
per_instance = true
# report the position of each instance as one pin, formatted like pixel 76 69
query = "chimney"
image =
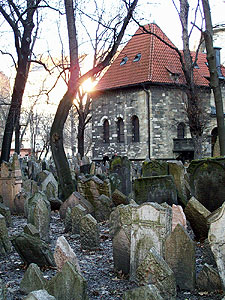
pixel 218 67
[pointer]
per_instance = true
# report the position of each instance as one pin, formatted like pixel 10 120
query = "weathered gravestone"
pixel 5 244
pixel 146 292
pixel 217 240
pixel 119 198
pixel 48 184
pixel 154 168
pixel 31 230
pixel 120 232
pixel 32 280
pixel 178 216
pixel 89 233
pixel 68 284
pixel 77 213
pixel 154 270
pixel 120 175
pixel 39 213
pixel 63 253
pixel 19 202
pixel 155 189
pixel 5 211
pixel 180 256
pixel 208 279
pixel 30 187
pixel 39 295
pixel 207 181
pixel 151 224
pixel 197 215
pixel 33 250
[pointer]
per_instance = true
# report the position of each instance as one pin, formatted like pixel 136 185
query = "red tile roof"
pixel 157 63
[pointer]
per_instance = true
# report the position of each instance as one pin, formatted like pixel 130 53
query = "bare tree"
pixel 21 20
pixel 214 80
pixel 56 135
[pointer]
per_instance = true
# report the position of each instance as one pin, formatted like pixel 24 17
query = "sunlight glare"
pixel 88 85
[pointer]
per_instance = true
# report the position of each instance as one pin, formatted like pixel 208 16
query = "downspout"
pixel 148 118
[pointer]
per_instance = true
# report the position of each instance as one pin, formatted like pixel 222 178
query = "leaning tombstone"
pixel 154 270
pixel 217 240
pixel 63 253
pixel 119 198
pixel 5 244
pixel 208 279
pixel 32 280
pixel 68 284
pixel 39 251
pixel 89 233
pixel 31 230
pixel 197 215
pixel 180 256
pixel 178 216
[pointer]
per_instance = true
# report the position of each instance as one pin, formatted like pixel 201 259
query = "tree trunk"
pixel 80 137
pixel 214 80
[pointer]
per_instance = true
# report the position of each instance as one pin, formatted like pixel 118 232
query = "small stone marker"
pixel 32 280
pixel 178 216
pixel 121 251
pixel 63 253
pixel 208 279
pixel 145 292
pixel 180 256
pixel 77 213
pixel 31 230
pixel 68 284
pixel 217 240
pixel 89 233
pixel 154 270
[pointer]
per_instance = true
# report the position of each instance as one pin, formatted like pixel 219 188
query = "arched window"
pixel 181 130
pixel 106 131
pixel 135 129
pixel 120 130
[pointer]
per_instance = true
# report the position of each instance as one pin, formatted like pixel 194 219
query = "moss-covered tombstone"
pixel 207 181
pixel 154 168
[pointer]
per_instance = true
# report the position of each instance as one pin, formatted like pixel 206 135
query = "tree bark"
pixel 56 134
pixel 214 80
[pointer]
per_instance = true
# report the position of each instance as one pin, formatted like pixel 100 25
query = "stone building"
pixel 139 103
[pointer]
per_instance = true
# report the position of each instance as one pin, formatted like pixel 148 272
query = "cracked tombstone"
pixel 154 270
pixel 217 240
pixel 89 233
pixel 63 253
pixel 180 256
pixel 151 224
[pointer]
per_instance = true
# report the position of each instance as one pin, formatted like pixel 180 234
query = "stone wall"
pixel 166 112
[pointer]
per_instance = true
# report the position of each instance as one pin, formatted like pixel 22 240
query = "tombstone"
pixel 197 215
pixel 68 221
pixel 63 253
pixel 119 198
pixel 77 213
pixel 145 292
pixel 155 189
pixel 48 184
pixel 103 208
pixel 30 187
pixel 74 199
pixel 176 169
pixel 178 216
pixel 89 233
pixel 32 280
pixel 5 211
pixel 180 256
pixel 39 214
pixel 217 240
pixel 154 168
pixel 39 251
pixel 151 224
pixel 34 168
pixel 121 166
pixel 5 244
pixel 91 188
pixel 31 230
pixel 39 295
pixel 154 270
pixel 208 279
pixel 19 202
pixel 68 284
pixel 120 231
pixel 207 177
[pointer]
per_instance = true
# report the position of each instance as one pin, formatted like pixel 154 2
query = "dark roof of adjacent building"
pixel 147 59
